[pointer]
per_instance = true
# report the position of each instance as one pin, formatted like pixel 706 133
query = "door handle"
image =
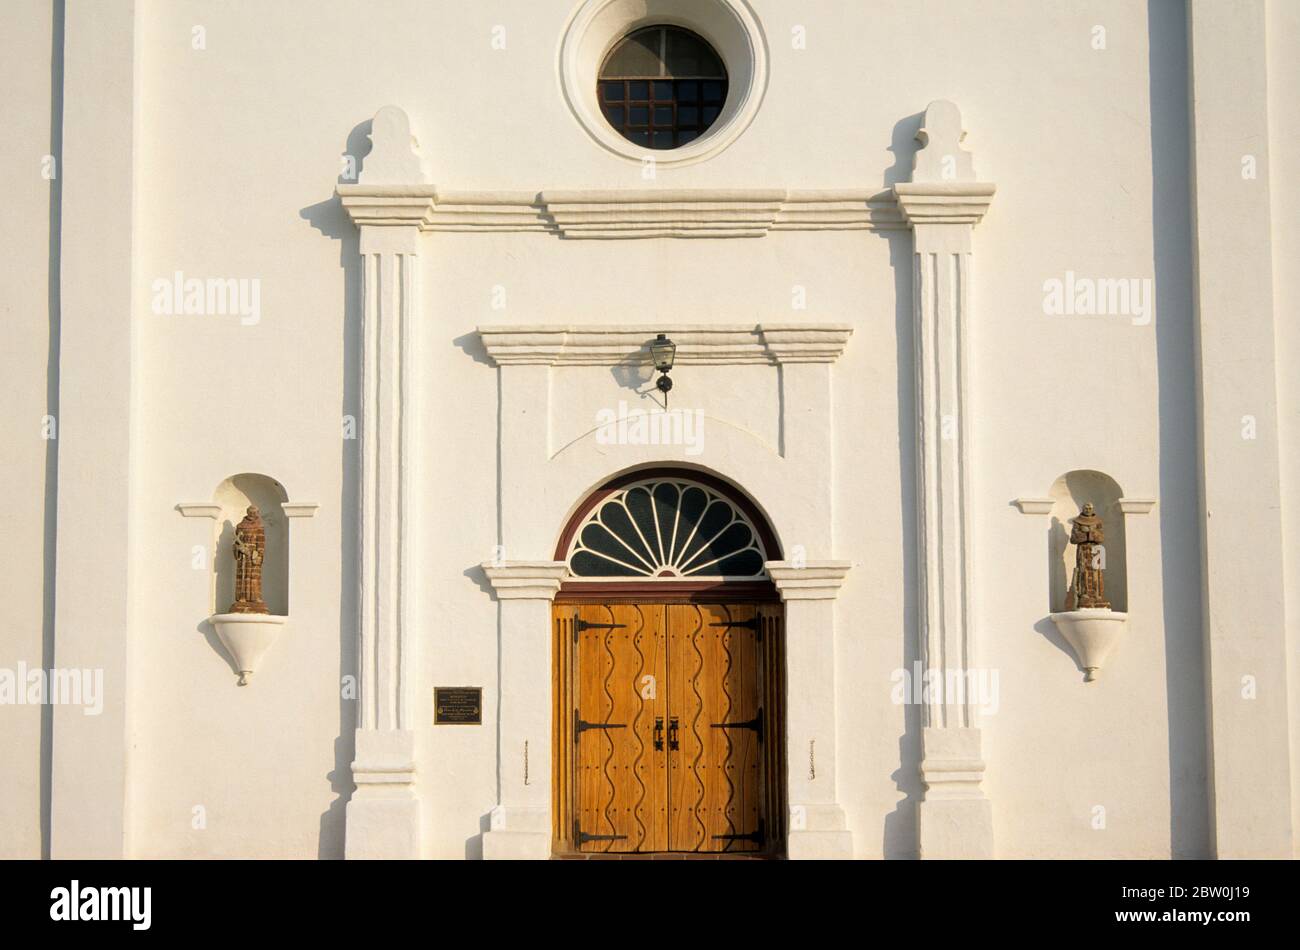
pixel 672 734
pixel 659 733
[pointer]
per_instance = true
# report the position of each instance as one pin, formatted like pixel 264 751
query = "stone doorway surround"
pixel 392 203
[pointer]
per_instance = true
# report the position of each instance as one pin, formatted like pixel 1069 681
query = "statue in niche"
pixel 1087 588
pixel 250 550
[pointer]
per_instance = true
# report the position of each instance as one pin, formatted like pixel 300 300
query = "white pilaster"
pixel 521 821
pixel 1252 796
pixel 97 372
pixel 817 826
pixel 383 816
pixel 942 204
pixel 525 439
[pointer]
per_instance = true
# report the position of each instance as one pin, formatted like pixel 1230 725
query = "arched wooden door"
pixel 668 715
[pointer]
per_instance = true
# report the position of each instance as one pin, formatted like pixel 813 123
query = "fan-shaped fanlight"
pixel 666 528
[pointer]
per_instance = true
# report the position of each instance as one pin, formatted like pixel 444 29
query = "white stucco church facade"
pixel 671 424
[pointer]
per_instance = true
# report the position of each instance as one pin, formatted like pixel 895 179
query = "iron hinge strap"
pixel 580 837
pixel 580 725
pixel 753 623
pixel 759 837
pixel 580 625
pixel 756 724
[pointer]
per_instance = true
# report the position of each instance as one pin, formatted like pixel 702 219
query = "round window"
pixel 662 87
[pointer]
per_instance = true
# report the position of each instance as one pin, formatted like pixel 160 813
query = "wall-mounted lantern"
pixel 663 351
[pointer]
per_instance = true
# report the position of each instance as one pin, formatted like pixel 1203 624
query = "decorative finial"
pixel 393 157
pixel 941 157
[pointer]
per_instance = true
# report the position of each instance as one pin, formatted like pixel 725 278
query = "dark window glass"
pixel 653 83
pixel 666 528
pixel 744 564
pixel 667 497
pixel 689 55
pixel 637 55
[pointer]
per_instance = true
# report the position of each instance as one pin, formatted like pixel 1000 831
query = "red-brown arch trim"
pixel 576 591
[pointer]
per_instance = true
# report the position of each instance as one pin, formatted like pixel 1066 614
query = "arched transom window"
pixel 666 528
pixel 662 87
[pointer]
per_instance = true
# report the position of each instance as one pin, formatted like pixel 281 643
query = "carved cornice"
pixel 525 580
pixel 1043 506
pixel 389 205
pixel 768 343
pixel 623 214
pixel 720 213
pixel 208 509
pixel 199 509
pixel 957 202
pixel 300 509
pixel 812 580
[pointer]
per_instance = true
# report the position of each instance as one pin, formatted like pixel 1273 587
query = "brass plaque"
pixel 458 705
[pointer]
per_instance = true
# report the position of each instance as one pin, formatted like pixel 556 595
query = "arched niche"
pixel 1069 494
pixel 234 495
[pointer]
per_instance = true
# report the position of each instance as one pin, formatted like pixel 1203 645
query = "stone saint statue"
pixel 1087 588
pixel 250 549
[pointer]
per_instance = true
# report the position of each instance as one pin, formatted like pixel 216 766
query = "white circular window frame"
pixel 729 26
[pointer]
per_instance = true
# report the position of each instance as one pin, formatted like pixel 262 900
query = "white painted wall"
pixel 1284 154
pixel 238 153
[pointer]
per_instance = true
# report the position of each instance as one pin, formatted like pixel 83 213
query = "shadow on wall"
pixel 209 633
pixel 636 372
pixel 902 144
pixel 1048 629
pixel 1179 513
pixel 329 218
pixel 51 486
pixel 474 845
pixel 901 835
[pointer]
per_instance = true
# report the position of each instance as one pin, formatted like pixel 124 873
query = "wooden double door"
pixel 669 730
